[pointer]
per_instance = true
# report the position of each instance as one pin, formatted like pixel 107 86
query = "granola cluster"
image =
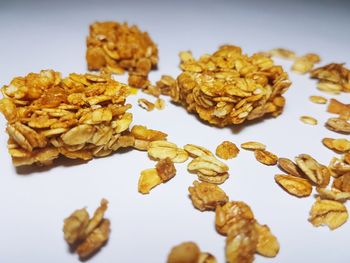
pixel 80 117
pixel 84 234
pixel 117 48
pixel 228 87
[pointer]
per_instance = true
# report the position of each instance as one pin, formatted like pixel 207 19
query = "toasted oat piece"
pixel 305 63
pixel 206 196
pixel 318 99
pixel 265 157
pixel 145 104
pixel 189 252
pixel 289 167
pixel 79 117
pixel 253 146
pixel 297 186
pixel 339 108
pixel 223 93
pixel 340 145
pixel 268 245
pixel 282 53
pixel 149 179
pixel 227 150
pixel 333 194
pixel 87 235
pixel 143 136
pixel 308 120
pixel 338 125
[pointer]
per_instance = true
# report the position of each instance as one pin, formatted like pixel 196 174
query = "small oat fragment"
pixel 302 65
pixel 318 99
pixel 227 150
pixel 265 157
pixel 187 252
pixel 268 245
pixel 166 169
pixel 162 149
pixel 197 151
pixel 338 125
pixel 339 108
pixel 342 183
pixel 253 146
pixel 316 172
pixel 159 104
pixel 282 53
pixel 333 194
pixel 297 186
pixel 148 179
pixel 289 167
pixel 206 196
pixel 308 120
pixel 145 104
pixel 328 212
pixel 87 235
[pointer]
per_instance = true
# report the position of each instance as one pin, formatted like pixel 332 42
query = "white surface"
pixel 40 35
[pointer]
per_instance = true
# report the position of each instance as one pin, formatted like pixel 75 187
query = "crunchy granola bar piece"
pixel 206 196
pixel 118 47
pixel 80 116
pixel 227 150
pixel 228 88
pixel 87 235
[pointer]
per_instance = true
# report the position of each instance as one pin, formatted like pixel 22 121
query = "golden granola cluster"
pixel 80 117
pixel 229 87
pixel 117 48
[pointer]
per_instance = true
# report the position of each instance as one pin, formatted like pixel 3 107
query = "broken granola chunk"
pixel 148 179
pixel 165 169
pixel 227 150
pixel 206 196
pixel 328 212
pixel 228 87
pixel 87 235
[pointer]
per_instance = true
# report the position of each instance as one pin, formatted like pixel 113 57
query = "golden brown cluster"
pixel 117 48
pixel 229 87
pixel 80 117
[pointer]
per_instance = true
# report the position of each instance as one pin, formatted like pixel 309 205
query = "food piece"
pixel 316 172
pixel 206 196
pixel 80 117
pixel 289 167
pixel 265 157
pixel 318 99
pixel 209 169
pixel 197 151
pixel 87 235
pixel 341 145
pixel 166 84
pixel 328 212
pixel 333 194
pixel 338 125
pixel 282 53
pixel 337 107
pixel 165 169
pixel 227 150
pixel 162 149
pixel 342 182
pixel 228 88
pixel 268 245
pixel 308 120
pixel 231 214
pixel 189 252
pixel 338 167
pixel 253 146
pixel 332 77
pixel 305 63
pixel 148 179
pixel 159 104
pixel 118 47
pixel 241 242
pixel 297 186
pixel 145 104
pixel 143 136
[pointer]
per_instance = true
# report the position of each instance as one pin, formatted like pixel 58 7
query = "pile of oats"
pixel 117 47
pixel 228 87
pixel 79 117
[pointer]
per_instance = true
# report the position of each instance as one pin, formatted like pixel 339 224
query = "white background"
pixel 33 202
